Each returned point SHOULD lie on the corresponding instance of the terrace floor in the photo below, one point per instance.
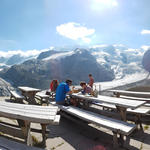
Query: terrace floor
(71, 136)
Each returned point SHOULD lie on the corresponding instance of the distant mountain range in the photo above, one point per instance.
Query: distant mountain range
(105, 62)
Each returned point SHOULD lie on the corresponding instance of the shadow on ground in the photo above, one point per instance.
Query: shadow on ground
(84, 137)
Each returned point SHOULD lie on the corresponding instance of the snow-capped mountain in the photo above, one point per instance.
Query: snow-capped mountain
(105, 62)
(9, 58)
(75, 65)
(122, 60)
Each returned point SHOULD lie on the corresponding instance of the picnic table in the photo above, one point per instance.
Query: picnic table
(29, 93)
(25, 115)
(130, 93)
(120, 103)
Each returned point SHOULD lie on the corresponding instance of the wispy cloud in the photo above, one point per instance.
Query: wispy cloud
(75, 31)
(28, 53)
(145, 47)
(145, 32)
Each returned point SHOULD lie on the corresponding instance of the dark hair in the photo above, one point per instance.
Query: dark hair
(90, 75)
(68, 81)
(82, 83)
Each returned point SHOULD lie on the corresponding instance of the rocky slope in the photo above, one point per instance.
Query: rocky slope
(75, 65)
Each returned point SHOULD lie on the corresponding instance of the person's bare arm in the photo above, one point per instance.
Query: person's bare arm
(70, 92)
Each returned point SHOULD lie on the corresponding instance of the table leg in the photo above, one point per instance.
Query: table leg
(122, 112)
(117, 94)
(31, 96)
(44, 134)
(28, 137)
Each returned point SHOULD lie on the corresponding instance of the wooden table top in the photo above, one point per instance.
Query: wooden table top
(28, 89)
(147, 94)
(111, 100)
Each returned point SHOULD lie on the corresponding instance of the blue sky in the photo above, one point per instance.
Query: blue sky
(39, 24)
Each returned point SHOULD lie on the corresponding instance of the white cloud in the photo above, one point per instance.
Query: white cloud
(145, 47)
(145, 32)
(28, 53)
(75, 31)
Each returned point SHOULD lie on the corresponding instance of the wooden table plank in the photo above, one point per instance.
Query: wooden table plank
(30, 114)
(28, 89)
(29, 93)
(121, 104)
(112, 100)
(132, 93)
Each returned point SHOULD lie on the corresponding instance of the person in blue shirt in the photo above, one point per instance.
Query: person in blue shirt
(61, 91)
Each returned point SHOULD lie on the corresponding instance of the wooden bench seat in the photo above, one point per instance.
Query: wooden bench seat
(137, 98)
(116, 126)
(131, 95)
(42, 97)
(138, 112)
(16, 96)
(27, 114)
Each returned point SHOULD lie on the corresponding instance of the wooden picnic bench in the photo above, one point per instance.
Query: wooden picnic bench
(130, 93)
(120, 103)
(29, 93)
(138, 112)
(16, 96)
(42, 97)
(118, 127)
(25, 115)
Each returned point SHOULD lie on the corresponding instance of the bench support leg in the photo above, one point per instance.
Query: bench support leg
(43, 133)
(138, 121)
(115, 140)
(28, 137)
(121, 140)
(122, 112)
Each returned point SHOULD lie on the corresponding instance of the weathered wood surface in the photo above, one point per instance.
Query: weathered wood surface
(43, 98)
(135, 98)
(28, 89)
(27, 114)
(112, 124)
(139, 110)
(116, 126)
(16, 96)
(111, 100)
(131, 93)
(32, 113)
(42, 95)
(29, 93)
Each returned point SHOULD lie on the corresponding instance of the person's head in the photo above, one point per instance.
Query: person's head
(83, 84)
(90, 75)
(69, 82)
(56, 81)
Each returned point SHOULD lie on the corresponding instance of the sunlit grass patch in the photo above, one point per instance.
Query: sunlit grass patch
(146, 127)
(141, 147)
(35, 140)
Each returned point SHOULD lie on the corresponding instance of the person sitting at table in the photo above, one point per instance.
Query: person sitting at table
(53, 85)
(85, 88)
(61, 91)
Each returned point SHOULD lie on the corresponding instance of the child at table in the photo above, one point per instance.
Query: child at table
(85, 88)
